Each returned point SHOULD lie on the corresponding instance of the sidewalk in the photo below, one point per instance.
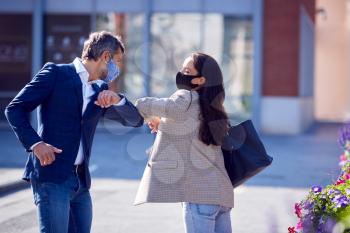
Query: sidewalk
(265, 204)
(11, 179)
(257, 210)
(12, 161)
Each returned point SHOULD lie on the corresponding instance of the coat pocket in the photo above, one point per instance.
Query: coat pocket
(163, 164)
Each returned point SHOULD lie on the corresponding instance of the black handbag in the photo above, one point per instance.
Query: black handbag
(244, 153)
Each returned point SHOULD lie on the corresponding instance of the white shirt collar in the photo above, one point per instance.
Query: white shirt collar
(83, 73)
(80, 68)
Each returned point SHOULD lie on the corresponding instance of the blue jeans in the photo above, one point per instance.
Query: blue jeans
(203, 218)
(63, 208)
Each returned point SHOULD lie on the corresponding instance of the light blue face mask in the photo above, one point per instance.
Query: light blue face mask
(113, 71)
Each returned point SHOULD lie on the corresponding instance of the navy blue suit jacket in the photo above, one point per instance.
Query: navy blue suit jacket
(57, 90)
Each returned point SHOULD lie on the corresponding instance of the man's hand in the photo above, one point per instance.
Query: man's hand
(107, 98)
(153, 124)
(46, 153)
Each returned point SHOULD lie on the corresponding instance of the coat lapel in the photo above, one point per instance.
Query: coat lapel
(92, 107)
(78, 87)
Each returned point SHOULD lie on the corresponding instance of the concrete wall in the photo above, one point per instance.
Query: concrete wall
(332, 62)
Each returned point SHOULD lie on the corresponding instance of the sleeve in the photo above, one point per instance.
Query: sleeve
(173, 107)
(121, 102)
(32, 147)
(31, 96)
(127, 114)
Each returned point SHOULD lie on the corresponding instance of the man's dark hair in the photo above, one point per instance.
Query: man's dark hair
(99, 42)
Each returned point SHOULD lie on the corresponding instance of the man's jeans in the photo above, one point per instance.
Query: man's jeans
(64, 207)
(203, 218)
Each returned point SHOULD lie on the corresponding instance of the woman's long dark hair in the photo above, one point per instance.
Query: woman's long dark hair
(214, 121)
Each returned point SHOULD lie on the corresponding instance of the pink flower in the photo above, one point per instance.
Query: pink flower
(299, 226)
(347, 176)
(291, 230)
(339, 182)
(297, 210)
(342, 157)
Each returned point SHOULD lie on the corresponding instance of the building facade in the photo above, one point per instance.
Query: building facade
(265, 49)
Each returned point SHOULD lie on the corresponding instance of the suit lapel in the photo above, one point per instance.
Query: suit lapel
(78, 87)
(92, 107)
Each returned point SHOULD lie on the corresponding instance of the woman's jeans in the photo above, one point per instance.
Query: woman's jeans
(203, 218)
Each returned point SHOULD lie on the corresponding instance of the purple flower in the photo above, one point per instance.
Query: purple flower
(308, 205)
(316, 189)
(347, 191)
(342, 204)
(337, 192)
(307, 224)
(331, 191)
(344, 136)
(327, 225)
(340, 201)
(342, 163)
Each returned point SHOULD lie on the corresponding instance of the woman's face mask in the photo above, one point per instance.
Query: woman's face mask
(112, 71)
(183, 81)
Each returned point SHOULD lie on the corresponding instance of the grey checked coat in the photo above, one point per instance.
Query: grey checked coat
(181, 168)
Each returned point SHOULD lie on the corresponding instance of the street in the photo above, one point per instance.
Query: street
(265, 204)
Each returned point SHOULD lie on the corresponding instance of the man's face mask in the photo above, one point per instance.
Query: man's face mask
(112, 71)
(183, 81)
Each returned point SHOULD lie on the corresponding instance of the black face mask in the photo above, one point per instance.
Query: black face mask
(183, 81)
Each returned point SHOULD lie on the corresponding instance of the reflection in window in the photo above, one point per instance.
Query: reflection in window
(228, 39)
(130, 28)
(237, 66)
(134, 76)
(174, 37)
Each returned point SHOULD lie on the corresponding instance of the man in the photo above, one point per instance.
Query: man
(71, 99)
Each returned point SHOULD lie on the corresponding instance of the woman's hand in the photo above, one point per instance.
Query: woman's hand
(153, 124)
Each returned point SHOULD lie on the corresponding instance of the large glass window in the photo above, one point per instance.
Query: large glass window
(228, 39)
(237, 66)
(173, 38)
(15, 56)
(130, 28)
(65, 36)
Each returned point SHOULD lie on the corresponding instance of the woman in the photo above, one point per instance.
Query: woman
(186, 163)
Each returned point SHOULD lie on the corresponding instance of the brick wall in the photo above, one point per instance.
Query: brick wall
(310, 6)
(281, 46)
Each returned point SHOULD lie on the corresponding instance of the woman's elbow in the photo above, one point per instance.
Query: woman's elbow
(141, 107)
(138, 104)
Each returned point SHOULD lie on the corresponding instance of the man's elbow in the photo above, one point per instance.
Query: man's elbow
(8, 112)
(13, 114)
(138, 118)
(141, 122)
